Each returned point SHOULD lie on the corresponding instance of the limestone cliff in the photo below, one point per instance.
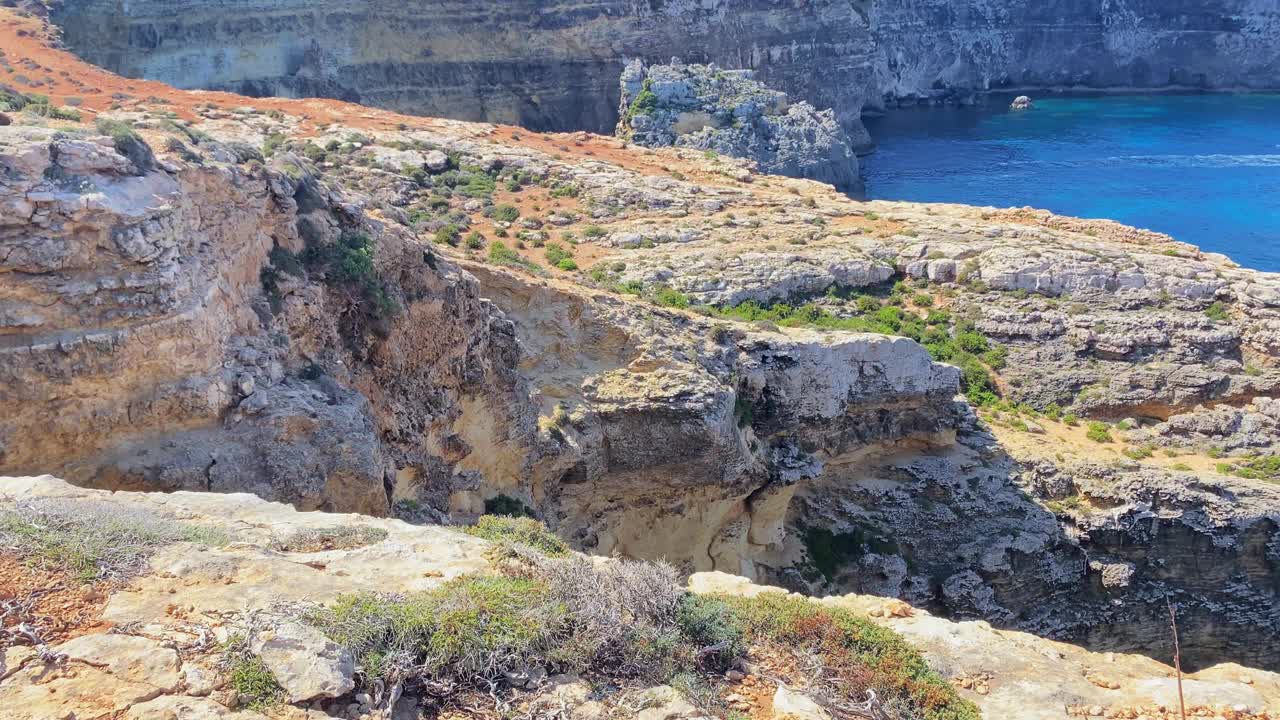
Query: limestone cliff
(555, 65)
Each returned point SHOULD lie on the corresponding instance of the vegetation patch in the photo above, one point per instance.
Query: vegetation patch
(955, 342)
(249, 676)
(507, 506)
(1266, 467)
(856, 655)
(346, 537)
(1098, 432)
(829, 551)
(90, 540)
(519, 531)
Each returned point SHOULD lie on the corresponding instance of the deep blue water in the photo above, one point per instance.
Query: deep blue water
(1202, 168)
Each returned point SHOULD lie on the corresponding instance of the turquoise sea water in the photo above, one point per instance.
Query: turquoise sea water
(1202, 168)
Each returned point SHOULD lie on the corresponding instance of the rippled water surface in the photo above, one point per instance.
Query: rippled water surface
(1203, 168)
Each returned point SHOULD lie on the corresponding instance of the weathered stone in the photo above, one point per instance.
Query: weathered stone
(791, 705)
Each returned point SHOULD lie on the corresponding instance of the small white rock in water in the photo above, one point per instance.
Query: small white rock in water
(1022, 102)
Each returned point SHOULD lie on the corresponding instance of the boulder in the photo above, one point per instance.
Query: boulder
(791, 705)
(305, 662)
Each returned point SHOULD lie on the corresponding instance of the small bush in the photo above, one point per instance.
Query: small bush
(1070, 419)
(645, 102)
(567, 264)
(709, 623)
(1258, 468)
(856, 654)
(506, 213)
(249, 676)
(520, 531)
(500, 254)
(594, 231)
(1217, 312)
(448, 235)
(556, 253)
(1098, 432)
(507, 506)
(670, 297)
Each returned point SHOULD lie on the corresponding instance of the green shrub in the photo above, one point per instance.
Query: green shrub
(500, 254)
(448, 235)
(249, 676)
(1098, 432)
(506, 213)
(670, 297)
(349, 262)
(1258, 468)
(567, 264)
(555, 253)
(708, 622)
(1217, 312)
(1070, 419)
(645, 102)
(507, 506)
(475, 241)
(518, 530)
(594, 231)
(1141, 452)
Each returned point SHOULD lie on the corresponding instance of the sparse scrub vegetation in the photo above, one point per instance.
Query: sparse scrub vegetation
(248, 675)
(616, 621)
(346, 537)
(92, 541)
(1099, 432)
(519, 531)
(1266, 467)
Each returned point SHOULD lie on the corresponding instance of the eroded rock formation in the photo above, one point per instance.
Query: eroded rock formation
(727, 112)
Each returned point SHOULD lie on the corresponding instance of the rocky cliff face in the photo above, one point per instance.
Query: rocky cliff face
(555, 66)
(727, 112)
(933, 49)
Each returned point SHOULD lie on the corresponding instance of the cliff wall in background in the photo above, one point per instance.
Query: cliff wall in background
(555, 65)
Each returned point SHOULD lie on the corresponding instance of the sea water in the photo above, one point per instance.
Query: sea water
(1202, 168)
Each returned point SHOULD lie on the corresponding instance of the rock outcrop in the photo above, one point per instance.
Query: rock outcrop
(727, 112)
(156, 646)
(554, 65)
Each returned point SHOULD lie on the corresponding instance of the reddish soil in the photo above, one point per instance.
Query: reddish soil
(57, 607)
